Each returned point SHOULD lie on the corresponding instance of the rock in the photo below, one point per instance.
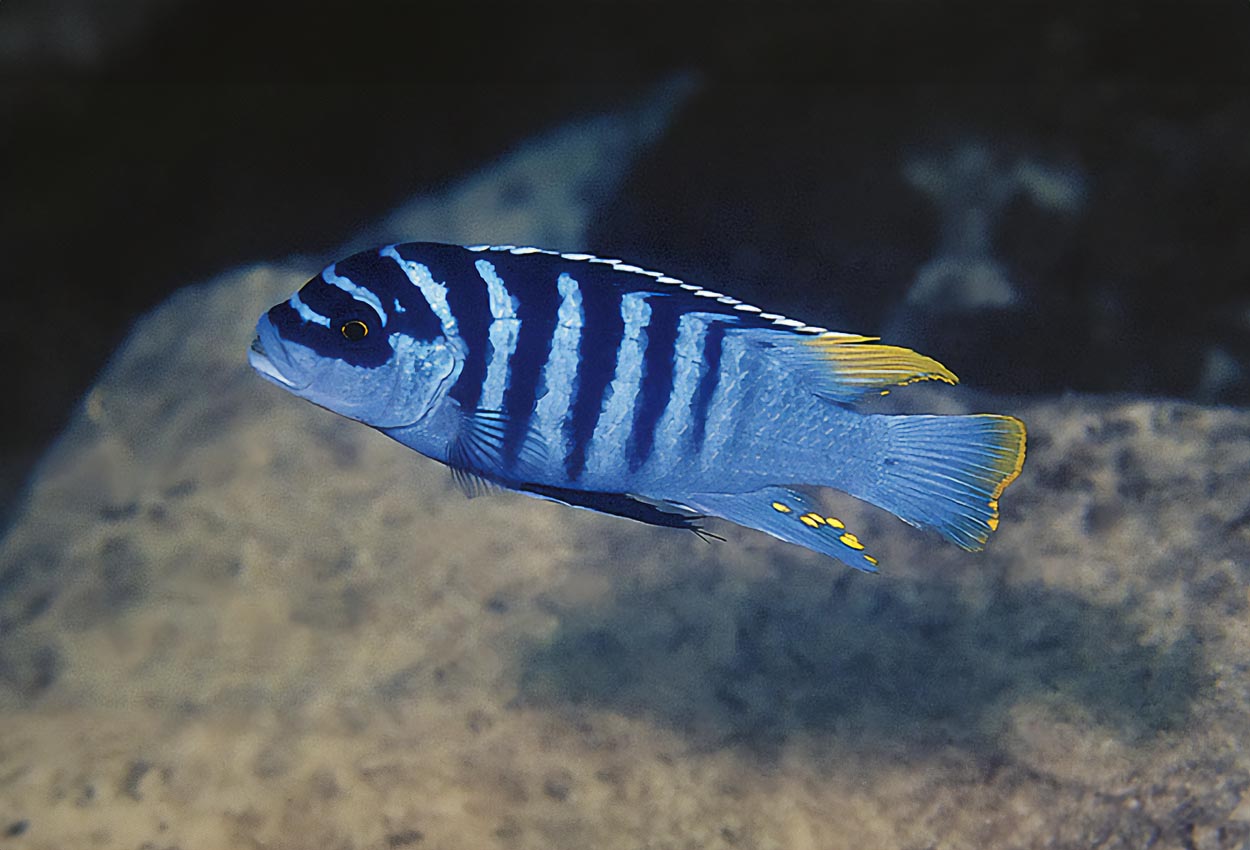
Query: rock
(273, 626)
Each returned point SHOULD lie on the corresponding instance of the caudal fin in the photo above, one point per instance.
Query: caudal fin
(948, 472)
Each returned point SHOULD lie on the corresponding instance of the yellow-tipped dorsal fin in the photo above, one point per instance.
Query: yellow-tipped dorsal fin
(863, 361)
(846, 367)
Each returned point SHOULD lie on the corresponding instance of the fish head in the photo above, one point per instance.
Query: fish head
(335, 343)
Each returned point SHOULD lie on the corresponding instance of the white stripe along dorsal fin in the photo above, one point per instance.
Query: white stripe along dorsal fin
(659, 277)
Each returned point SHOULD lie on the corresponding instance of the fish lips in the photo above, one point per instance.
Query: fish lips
(259, 358)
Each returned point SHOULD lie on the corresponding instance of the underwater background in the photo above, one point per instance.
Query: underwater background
(229, 619)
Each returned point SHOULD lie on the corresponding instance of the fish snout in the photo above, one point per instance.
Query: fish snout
(260, 359)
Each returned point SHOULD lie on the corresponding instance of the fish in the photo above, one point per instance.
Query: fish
(605, 386)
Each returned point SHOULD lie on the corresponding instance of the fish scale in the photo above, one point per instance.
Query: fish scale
(602, 385)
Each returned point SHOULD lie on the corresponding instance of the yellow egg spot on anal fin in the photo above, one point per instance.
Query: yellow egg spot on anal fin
(851, 540)
(816, 518)
(870, 559)
(807, 520)
(781, 508)
(835, 522)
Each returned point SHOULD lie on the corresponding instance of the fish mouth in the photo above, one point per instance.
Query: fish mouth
(259, 360)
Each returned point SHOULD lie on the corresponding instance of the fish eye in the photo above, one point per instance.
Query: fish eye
(354, 330)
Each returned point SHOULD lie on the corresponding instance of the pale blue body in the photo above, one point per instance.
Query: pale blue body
(755, 433)
(605, 386)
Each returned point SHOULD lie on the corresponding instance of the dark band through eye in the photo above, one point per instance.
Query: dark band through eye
(355, 329)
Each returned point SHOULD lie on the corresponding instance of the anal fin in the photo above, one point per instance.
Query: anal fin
(789, 516)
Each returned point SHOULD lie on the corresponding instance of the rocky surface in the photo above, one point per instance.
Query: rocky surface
(231, 619)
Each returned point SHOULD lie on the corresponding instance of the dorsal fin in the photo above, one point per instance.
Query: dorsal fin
(846, 367)
(694, 298)
(842, 367)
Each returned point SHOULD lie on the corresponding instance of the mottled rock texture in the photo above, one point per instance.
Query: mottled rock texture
(231, 619)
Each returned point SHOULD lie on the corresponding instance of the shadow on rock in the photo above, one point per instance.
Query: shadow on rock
(872, 664)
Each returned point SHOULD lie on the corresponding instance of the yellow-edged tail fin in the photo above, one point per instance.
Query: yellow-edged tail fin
(948, 472)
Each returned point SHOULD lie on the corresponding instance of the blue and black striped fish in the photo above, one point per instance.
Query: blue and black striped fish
(604, 386)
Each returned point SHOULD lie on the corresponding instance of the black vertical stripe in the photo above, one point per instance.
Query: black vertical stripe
(659, 362)
(469, 303)
(713, 348)
(602, 331)
(538, 305)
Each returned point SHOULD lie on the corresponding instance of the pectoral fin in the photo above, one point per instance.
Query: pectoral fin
(478, 456)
